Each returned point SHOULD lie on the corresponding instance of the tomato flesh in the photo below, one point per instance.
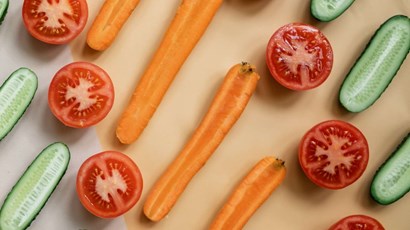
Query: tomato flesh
(81, 94)
(55, 21)
(333, 154)
(299, 56)
(357, 222)
(109, 184)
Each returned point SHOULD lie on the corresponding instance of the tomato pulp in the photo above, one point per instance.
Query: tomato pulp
(299, 56)
(81, 94)
(333, 154)
(109, 184)
(55, 21)
(357, 222)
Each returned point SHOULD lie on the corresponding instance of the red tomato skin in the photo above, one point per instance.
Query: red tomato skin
(364, 222)
(326, 65)
(30, 22)
(86, 199)
(94, 119)
(361, 143)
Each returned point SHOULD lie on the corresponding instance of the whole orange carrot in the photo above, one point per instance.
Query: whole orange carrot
(227, 106)
(250, 194)
(190, 22)
(109, 21)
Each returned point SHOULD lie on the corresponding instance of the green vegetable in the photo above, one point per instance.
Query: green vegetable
(377, 65)
(34, 187)
(328, 10)
(4, 5)
(392, 179)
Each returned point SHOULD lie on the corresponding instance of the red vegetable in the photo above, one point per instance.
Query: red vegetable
(299, 56)
(333, 154)
(357, 222)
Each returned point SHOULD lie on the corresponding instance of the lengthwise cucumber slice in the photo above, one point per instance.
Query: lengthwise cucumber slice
(4, 5)
(328, 10)
(16, 94)
(34, 187)
(392, 179)
(377, 65)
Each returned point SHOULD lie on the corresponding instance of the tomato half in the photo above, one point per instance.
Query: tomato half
(81, 94)
(55, 21)
(333, 154)
(357, 222)
(109, 184)
(299, 56)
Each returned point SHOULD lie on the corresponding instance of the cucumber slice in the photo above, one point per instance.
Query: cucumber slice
(328, 10)
(4, 5)
(392, 179)
(16, 94)
(34, 187)
(377, 65)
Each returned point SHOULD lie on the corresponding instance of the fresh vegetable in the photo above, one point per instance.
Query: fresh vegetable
(357, 222)
(328, 10)
(333, 154)
(377, 65)
(190, 22)
(109, 184)
(392, 179)
(55, 22)
(16, 94)
(81, 94)
(4, 5)
(227, 106)
(250, 194)
(299, 56)
(34, 187)
(108, 23)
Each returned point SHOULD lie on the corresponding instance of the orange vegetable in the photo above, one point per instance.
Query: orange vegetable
(228, 104)
(190, 22)
(109, 21)
(250, 194)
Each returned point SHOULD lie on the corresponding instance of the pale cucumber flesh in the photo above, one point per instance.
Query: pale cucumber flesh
(327, 10)
(4, 4)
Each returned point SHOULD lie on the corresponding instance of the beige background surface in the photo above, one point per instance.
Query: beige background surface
(273, 122)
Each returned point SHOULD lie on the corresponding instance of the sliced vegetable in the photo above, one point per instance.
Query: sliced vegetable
(34, 187)
(357, 222)
(108, 23)
(333, 154)
(109, 184)
(377, 65)
(392, 179)
(250, 194)
(81, 94)
(299, 56)
(190, 22)
(4, 5)
(55, 22)
(16, 94)
(227, 106)
(328, 10)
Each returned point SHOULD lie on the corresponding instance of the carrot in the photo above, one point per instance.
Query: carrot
(109, 21)
(250, 194)
(227, 106)
(191, 20)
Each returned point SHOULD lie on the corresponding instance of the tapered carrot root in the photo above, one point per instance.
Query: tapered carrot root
(250, 194)
(109, 21)
(188, 26)
(227, 106)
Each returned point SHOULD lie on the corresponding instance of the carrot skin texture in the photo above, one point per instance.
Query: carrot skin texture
(226, 107)
(250, 194)
(109, 21)
(186, 29)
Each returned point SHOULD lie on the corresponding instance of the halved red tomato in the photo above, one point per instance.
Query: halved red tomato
(299, 56)
(357, 222)
(333, 154)
(55, 21)
(81, 94)
(109, 184)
